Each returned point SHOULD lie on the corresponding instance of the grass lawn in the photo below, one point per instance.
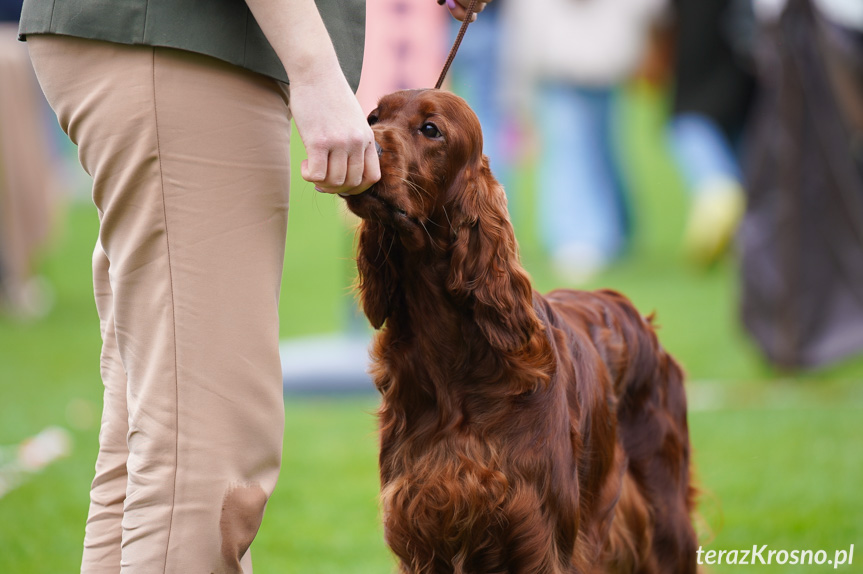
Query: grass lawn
(779, 456)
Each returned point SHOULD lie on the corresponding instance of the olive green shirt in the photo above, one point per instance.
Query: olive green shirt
(224, 29)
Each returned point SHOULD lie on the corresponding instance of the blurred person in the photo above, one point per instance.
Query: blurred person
(566, 61)
(28, 183)
(181, 112)
(801, 238)
(713, 89)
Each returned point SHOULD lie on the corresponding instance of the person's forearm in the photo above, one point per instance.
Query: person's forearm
(296, 32)
(339, 141)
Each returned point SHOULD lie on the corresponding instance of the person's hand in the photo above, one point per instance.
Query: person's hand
(339, 141)
(342, 157)
(458, 8)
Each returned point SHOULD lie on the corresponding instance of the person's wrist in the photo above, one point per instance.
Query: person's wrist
(316, 71)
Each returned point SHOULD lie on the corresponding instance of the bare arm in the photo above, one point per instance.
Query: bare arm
(338, 139)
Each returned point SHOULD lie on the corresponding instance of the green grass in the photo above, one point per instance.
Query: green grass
(778, 455)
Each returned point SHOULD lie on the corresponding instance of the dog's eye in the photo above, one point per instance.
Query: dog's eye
(430, 131)
(373, 119)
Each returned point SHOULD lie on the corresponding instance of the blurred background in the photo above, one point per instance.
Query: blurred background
(705, 157)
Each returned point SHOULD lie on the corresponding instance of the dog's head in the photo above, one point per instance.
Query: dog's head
(437, 202)
(430, 146)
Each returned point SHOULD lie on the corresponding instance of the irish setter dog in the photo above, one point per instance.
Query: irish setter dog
(520, 433)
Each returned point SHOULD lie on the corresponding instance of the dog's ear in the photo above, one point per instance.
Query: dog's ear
(485, 270)
(377, 279)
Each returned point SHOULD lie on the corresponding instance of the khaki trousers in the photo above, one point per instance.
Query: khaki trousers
(190, 162)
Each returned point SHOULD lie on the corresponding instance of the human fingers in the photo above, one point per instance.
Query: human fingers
(314, 169)
(371, 172)
(458, 8)
(335, 164)
(337, 169)
(351, 166)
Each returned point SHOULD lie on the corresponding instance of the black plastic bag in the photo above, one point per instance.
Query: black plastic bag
(801, 239)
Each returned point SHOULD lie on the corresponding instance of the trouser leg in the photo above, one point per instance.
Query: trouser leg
(108, 491)
(190, 164)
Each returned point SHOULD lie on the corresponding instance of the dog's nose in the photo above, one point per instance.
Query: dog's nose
(378, 147)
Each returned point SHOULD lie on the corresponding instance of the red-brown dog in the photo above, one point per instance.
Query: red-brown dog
(520, 433)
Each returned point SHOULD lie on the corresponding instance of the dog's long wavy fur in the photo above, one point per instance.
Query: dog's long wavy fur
(519, 433)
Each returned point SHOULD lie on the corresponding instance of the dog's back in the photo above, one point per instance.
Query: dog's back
(652, 519)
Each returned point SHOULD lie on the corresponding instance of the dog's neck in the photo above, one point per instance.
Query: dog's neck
(434, 345)
(427, 317)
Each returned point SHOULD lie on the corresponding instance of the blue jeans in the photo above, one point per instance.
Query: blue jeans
(582, 194)
(702, 151)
